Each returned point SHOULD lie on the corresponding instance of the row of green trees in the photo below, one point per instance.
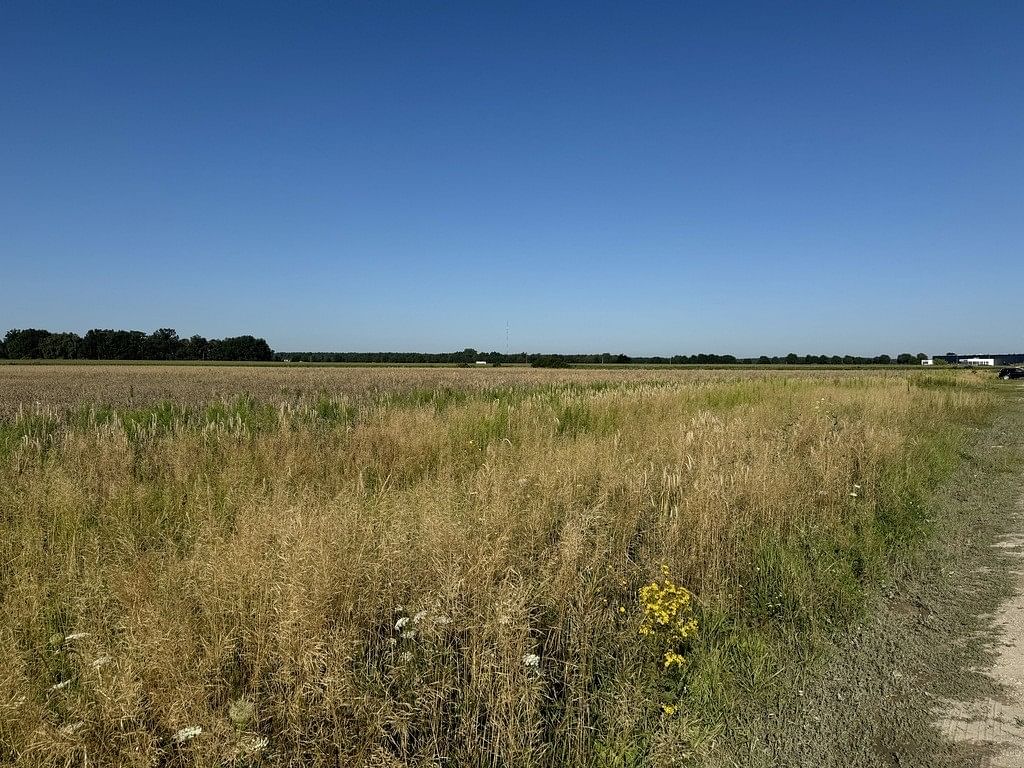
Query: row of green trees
(106, 344)
(470, 356)
(164, 344)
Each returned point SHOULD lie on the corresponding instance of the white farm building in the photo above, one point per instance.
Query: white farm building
(977, 360)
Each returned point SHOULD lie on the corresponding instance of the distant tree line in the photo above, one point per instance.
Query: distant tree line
(105, 344)
(164, 344)
(550, 361)
(469, 356)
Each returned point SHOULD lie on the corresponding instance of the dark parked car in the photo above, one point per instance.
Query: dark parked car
(1011, 373)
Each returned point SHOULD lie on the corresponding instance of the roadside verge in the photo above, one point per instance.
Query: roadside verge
(882, 694)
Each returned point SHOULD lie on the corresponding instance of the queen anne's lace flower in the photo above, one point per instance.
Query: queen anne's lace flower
(252, 744)
(187, 734)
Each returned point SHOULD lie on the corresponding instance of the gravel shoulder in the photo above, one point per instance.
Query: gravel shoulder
(934, 677)
(992, 726)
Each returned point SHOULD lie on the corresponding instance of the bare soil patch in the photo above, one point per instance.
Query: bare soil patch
(992, 726)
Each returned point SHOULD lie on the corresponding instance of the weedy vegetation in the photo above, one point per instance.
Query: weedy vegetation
(318, 567)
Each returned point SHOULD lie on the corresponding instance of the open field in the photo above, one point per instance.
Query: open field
(73, 384)
(340, 566)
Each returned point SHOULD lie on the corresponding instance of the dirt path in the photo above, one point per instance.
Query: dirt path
(934, 678)
(992, 727)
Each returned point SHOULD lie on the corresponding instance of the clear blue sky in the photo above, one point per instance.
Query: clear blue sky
(651, 178)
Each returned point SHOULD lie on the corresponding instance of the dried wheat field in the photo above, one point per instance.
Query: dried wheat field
(213, 566)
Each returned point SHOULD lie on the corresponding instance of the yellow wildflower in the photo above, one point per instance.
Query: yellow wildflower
(671, 657)
(668, 617)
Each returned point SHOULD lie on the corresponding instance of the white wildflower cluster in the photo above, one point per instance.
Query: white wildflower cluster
(405, 626)
(402, 625)
(251, 744)
(187, 734)
(531, 661)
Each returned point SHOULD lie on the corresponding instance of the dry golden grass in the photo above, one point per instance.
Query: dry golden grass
(400, 567)
(130, 386)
